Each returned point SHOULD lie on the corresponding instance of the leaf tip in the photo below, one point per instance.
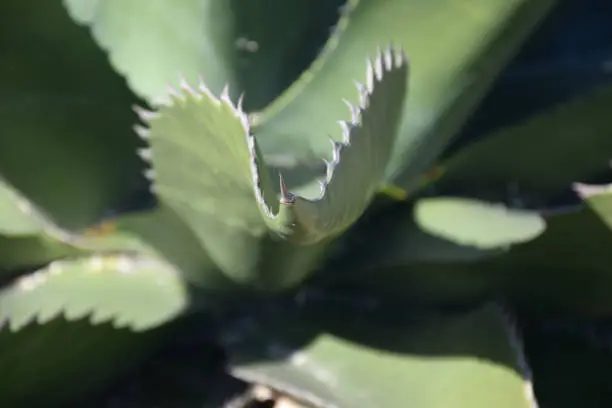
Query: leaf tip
(287, 198)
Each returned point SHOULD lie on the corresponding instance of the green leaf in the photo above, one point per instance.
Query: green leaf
(60, 362)
(599, 198)
(477, 223)
(27, 236)
(159, 233)
(546, 153)
(17, 216)
(330, 359)
(456, 48)
(225, 42)
(106, 287)
(207, 166)
(65, 138)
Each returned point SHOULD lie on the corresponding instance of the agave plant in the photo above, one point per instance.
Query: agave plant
(361, 264)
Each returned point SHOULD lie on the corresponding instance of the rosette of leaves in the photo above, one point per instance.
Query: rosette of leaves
(238, 220)
(282, 235)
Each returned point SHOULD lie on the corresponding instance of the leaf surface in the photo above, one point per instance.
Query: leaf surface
(456, 49)
(545, 153)
(159, 233)
(150, 42)
(133, 292)
(207, 166)
(477, 223)
(460, 361)
(27, 236)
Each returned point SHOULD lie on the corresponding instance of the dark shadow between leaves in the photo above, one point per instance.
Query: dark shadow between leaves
(387, 255)
(55, 363)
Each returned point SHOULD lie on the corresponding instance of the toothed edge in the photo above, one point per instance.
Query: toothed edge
(149, 174)
(384, 62)
(119, 263)
(145, 153)
(375, 70)
(142, 132)
(146, 116)
(514, 337)
(363, 92)
(184, 85)
(186, 90)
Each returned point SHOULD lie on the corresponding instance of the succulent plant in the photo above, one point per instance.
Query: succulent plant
(321, 228)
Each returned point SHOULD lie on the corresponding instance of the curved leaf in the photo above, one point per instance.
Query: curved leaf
(225, 42)
(65, 116)
(469, 360)
(456, 48)
(159, 233)
(17, 215)
(477, 223)
(207, 167)
(132, 292)
(546, 153)
(27, 236)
